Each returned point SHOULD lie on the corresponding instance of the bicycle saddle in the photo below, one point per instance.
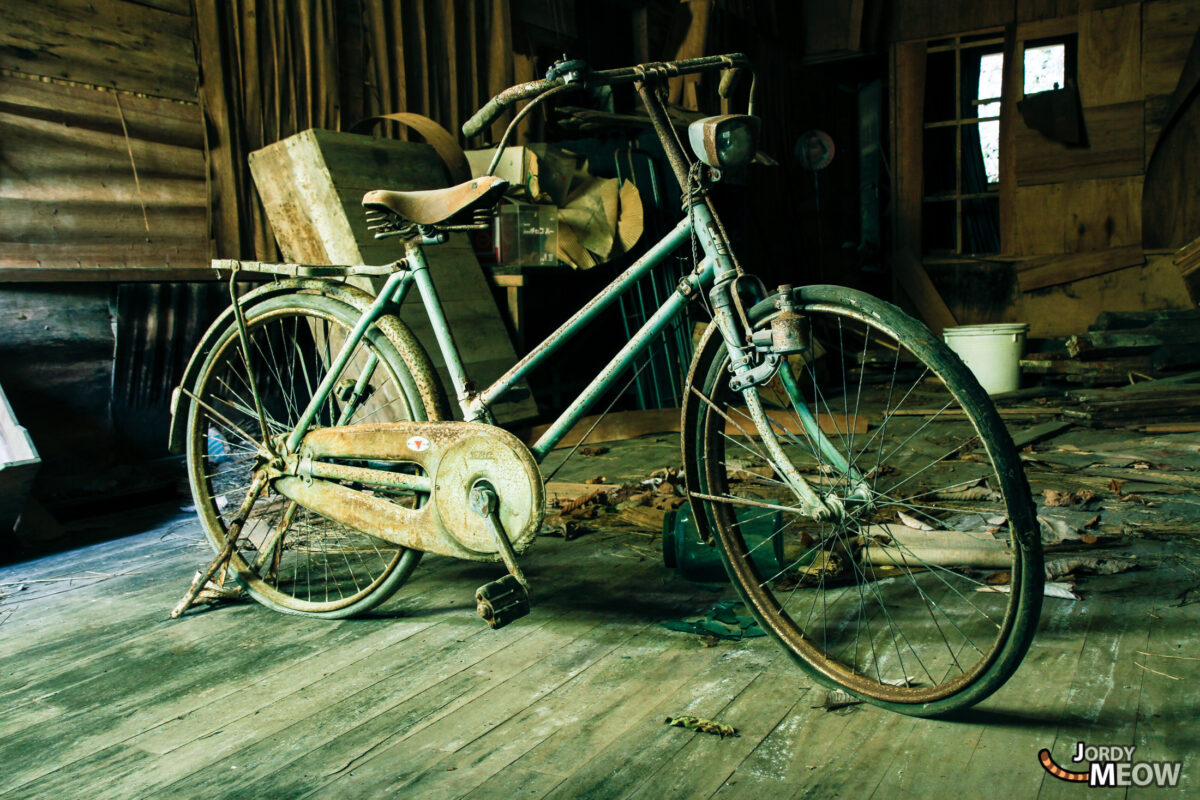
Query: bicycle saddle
(437, 205)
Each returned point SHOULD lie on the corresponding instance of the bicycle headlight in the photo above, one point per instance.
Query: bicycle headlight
(725, 142)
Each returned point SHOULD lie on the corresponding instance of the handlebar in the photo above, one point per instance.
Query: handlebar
(609, 77)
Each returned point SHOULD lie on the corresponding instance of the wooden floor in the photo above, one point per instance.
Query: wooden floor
(103, 696)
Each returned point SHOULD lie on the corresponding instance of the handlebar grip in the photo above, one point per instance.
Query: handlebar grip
(483, 117)
(494, 107)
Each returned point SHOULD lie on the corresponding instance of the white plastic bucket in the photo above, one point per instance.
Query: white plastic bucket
(991, 352)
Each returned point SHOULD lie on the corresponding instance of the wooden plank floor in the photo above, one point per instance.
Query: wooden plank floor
(104, 697)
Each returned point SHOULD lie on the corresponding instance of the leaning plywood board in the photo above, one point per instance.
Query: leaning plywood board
(18, 464)
(312, 186)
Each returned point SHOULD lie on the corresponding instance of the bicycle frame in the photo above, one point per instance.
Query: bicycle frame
(475, 406)
(714, 275)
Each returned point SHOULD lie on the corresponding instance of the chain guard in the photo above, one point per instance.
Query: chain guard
(455, 455)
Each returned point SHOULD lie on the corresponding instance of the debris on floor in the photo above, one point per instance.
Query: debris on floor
(1120, 345)
(1059, 589)
(640, 504)
(702, 725)
(721, 621)
(838, 698)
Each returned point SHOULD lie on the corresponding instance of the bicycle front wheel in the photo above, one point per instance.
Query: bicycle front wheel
(921, 592)
(288, 557)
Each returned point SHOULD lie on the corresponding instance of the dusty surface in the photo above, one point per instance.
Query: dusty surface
(104, 697)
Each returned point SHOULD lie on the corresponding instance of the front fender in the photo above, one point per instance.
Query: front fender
(180, 403)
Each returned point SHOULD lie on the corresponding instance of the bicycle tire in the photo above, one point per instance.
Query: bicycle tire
(317, 567)
(984, 632)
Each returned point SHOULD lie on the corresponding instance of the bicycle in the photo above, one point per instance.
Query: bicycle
(323, 461)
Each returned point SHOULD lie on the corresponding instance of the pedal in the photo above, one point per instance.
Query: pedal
(502, 601)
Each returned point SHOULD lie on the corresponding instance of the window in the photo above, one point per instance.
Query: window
(1049, 64)
(987, 96)
(961, 208)
(1045, 68)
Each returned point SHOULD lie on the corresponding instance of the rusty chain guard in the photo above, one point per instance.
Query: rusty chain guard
(455, 455)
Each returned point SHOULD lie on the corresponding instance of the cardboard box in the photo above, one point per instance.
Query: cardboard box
(543, 170)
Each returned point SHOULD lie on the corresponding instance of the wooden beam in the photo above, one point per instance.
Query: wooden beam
(1038, 273)
(908, 80)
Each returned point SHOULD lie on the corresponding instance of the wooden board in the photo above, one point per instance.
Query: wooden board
(68, 196)
(419, 699)
(1064, 310)
(1103, 214)
(312, 186)
(908, 77)
(1039, 273)
(1168, 28)
(621, 425)
(134, 46)
(1041, 218)
(1116, 148)
(918, 19)
(1110, 55)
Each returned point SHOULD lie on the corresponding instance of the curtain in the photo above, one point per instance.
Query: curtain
(273, 68)
(980, 218)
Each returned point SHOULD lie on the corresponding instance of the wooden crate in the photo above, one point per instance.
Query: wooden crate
(19, 462)
(312, 186)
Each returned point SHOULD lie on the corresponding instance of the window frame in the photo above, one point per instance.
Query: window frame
(991, 41)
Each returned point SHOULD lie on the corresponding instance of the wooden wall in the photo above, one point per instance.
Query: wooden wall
(102, 170)
(1071, 224)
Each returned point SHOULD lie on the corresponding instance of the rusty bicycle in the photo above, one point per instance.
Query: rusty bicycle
(324, 461)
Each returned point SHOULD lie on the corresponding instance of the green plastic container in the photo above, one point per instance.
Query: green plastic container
(700, 562)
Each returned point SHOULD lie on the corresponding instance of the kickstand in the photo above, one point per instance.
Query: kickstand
(200, 581)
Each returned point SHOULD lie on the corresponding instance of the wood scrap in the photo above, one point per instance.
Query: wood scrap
(1169, 401)
(622, 425)
(1121, 344)
(1190, 479)
(1173, 427)
(1039, 432)
(1089, 372)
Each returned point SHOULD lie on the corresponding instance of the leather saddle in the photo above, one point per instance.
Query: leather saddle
(434, 206)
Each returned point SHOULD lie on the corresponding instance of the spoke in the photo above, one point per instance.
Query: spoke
(738, 501)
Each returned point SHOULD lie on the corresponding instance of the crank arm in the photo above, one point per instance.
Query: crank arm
(502, 601)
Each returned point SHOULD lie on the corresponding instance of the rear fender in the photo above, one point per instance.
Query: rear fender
(350, 295)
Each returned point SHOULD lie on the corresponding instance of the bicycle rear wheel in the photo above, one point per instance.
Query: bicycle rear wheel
(917, 621)
(288, 557)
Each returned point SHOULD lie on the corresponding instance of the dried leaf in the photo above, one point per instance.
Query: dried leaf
(1089, 538)
(1056, 498)
(596, 479)
(591, 452)
(913, 522)
(838, 699)
(1115, 485)
(702, 725)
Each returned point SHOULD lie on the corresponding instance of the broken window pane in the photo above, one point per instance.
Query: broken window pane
(1045, 67)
